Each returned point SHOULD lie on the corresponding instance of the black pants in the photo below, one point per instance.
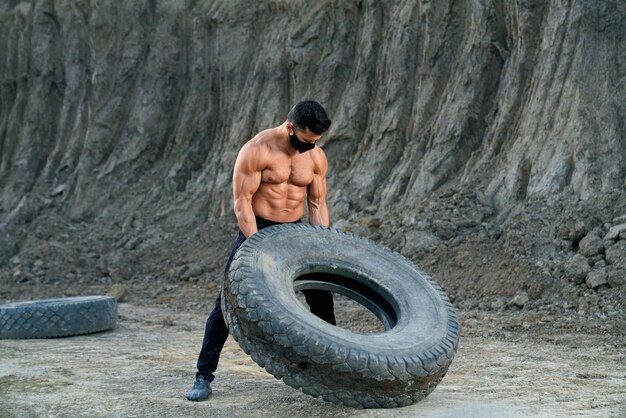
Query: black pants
(216, 332)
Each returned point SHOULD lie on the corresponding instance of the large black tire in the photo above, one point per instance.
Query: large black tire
(393, 368)
(61, 317)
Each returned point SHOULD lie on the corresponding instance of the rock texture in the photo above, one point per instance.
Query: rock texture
(488, 136)
(577, 269)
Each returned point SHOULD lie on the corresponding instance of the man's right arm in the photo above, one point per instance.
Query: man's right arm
(246, 181)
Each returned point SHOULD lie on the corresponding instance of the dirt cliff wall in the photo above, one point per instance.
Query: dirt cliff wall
(127, 114)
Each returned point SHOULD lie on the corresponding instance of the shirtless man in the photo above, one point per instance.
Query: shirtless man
(274, 174)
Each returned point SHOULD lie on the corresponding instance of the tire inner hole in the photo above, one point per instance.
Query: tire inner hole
(358, 307)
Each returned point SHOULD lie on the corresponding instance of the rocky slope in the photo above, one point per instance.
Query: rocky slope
(483, 139)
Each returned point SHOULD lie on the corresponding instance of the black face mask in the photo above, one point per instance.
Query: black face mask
(299, 145)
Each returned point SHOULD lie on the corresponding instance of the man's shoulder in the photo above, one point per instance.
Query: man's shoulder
(259, 150)
(263, 140)
(319, 158)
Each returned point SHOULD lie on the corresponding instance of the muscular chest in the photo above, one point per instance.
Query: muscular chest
(296, 171)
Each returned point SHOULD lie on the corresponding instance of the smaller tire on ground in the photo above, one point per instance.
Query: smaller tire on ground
(60, 317)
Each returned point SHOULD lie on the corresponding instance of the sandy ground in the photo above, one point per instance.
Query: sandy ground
(144, 366)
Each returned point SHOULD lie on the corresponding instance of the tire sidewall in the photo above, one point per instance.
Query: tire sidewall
(270, 260)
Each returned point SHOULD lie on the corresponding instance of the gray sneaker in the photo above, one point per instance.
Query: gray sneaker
(200, 391)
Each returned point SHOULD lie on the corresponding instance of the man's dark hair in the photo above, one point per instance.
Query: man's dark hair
(309, 114)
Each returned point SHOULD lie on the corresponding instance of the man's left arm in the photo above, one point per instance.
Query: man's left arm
(318, 209)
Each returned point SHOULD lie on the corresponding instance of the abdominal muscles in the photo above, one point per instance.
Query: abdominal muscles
(282, 202)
